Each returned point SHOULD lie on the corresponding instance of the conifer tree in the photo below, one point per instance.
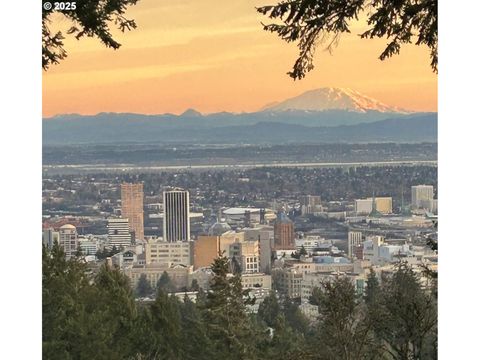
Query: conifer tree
(342, 331)
(410, 316)
(64, 282)
(165, 283)
(269, 310)
(196, 344)
(294, 317)
(143, 286)
(286, 343)
(164, 316)
(228, 325)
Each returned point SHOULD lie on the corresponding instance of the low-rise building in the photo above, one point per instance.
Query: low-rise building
(169, 253)
(247, 254)
(88, 246)
(257, 281)
(383, 205)
(179, 274)
(288, 282)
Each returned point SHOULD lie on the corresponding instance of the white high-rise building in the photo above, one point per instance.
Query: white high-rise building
(68, 240)
(422, 197)
(118, 232)
(354, 239)
(176, 216)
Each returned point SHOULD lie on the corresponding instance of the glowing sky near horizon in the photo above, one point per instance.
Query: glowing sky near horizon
(214, 56)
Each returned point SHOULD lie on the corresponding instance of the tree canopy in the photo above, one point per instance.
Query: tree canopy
(312, 22)
(95, 316)
(91, 18)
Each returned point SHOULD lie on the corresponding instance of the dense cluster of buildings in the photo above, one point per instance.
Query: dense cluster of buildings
(262, 244)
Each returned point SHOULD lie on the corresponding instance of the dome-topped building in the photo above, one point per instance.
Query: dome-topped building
(219, 228)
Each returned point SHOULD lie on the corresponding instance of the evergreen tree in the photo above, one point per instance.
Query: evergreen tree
(143, 286)
(228, 325)
(165, 339)
(410, 316)
(195, 341)
(85, 318)
(372, 291)
(310, 22)
(87, 18)
(342, 331)
(294, 317)
(269, 310)
(194, 285)
(286, 343)
(166, 284)
(64, 283)
(303, 251)
(114, 302)
(235, 266)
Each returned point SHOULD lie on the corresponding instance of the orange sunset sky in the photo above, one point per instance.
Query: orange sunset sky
(214, 56)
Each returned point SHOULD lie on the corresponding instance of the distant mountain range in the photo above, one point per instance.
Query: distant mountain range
(321, 115)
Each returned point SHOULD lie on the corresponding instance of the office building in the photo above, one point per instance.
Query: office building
(68, 240)
(422, 197)
(169, 253)
(383, 205)
(132, 207)
(88, 246)
(283, 233)
(176, 217)
(118, 232)
(354, 239)
(208, 247)
(264, 236)
(256, 281)
(247, 254)
(288, 282)
(310, 204)
(49, 237)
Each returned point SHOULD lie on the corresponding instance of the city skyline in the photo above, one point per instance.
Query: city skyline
(213, 58)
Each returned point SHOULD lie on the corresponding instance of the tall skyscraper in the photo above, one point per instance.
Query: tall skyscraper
(68, 240)
(176, 215)
(422, 197)
(119, 232)
(283, 233)
(354, 239)
(132, 207)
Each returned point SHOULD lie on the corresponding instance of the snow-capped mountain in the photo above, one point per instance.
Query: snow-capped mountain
(329, 98)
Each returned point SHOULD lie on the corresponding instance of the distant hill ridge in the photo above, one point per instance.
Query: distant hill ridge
(325, 114)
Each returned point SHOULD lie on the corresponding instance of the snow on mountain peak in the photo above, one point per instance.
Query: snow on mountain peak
(329, 98)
